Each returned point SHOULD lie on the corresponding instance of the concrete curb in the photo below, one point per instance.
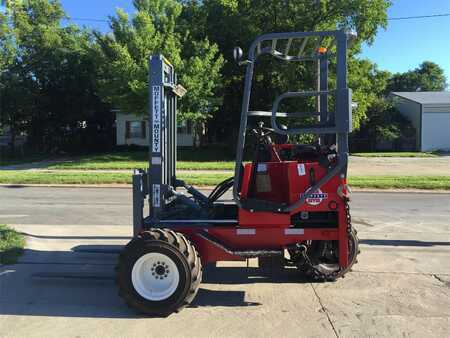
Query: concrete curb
(128, 186)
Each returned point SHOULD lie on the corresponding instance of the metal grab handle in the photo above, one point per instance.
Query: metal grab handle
(311, 130)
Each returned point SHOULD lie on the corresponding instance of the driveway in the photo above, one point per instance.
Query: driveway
(63, 286)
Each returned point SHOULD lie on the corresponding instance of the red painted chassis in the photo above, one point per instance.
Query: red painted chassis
(274, 231)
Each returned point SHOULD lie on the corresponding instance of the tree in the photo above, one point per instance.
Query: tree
(427, 77)
(55, 64)
(14, 83)
(125, 52)
(384, 123)
(232, 23)
(368, 84)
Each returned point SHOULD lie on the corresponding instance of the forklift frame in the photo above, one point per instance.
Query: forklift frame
(280, 215)
(159, 183)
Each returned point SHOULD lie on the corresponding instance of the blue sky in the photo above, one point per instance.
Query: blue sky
(407, 43)
(402, 46)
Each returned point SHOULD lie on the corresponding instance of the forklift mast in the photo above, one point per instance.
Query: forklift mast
(163, 134)
(162, 121)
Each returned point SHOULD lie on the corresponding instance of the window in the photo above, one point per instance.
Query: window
(135, 129)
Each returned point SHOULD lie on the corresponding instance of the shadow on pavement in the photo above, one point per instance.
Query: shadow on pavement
(81, 284)
(77, 237)
(402, 242)
(206, 297)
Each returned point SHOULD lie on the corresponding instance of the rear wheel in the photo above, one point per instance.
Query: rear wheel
(325, 258)
(320, 260)
(159, 272)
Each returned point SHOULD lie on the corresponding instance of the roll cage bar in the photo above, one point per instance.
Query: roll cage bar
(338, 122)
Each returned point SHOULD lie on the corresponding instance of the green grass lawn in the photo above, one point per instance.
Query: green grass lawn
(397, 154)
(11, 245)
(48, 177)
(133, 160)
(401, 182)
(201, 179)
(129, 165)
(214, 158)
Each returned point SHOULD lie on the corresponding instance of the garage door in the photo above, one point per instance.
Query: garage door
(435, 131)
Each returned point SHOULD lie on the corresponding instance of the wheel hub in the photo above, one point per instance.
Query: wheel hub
(160, 270)
(155, 276)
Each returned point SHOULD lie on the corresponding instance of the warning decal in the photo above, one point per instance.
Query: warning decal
(301, 169)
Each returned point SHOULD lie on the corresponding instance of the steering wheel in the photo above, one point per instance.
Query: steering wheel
(263, 134)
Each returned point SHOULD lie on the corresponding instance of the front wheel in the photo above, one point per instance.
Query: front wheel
(159, 272)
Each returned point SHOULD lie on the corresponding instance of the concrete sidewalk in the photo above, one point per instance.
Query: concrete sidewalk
(62, 287)
(358, 166)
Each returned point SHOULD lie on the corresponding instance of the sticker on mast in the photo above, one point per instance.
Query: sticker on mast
(156, 195)
(156, 119)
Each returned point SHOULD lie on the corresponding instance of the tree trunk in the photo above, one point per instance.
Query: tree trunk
(12, 142)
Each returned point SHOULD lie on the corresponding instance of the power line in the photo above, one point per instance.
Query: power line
(87, 19)
(391, 19)
(419, 16)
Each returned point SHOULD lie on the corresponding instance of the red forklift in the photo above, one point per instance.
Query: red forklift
(290, 204)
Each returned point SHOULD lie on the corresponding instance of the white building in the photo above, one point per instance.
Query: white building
(429, 113)
(133, 130)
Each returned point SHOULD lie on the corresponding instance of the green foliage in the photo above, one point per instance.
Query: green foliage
(201, 76)
(232, 23)
(427, 77)
(384, 122)
(368, 83)
(11, 245)
(202, 179)
(66, 76)
(153, 29)
(53, 71)
(401, 182)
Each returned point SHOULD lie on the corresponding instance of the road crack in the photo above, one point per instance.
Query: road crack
(447, 284)
(324, 309)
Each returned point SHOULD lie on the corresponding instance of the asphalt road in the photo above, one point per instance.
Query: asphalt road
(112, 206)
(400, 287)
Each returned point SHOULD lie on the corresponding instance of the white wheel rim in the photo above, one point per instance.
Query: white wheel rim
(155, 276)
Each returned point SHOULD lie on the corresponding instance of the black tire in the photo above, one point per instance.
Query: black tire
(176, 247)
(353, 251)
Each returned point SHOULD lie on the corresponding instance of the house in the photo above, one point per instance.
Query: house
(133, 130)
(429, 113)
(6, 139)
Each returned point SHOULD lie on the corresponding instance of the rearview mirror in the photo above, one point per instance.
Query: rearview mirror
(237, 54)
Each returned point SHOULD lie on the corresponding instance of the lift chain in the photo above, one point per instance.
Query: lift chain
(349, 217)
(312, 269)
